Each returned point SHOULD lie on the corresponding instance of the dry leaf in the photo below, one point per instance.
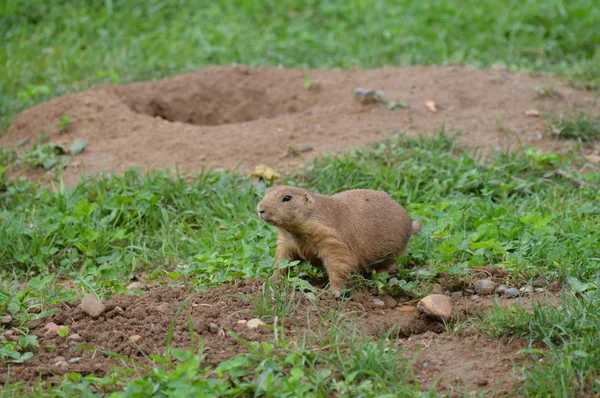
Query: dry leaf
(431, 106)
(532, 112)
(262, 171)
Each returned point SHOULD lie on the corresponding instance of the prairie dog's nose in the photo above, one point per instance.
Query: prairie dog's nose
(260, 208)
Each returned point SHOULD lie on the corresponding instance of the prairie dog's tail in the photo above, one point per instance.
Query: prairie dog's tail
(417, 228)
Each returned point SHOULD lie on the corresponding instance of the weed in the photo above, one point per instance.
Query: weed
(274, 301)
(546, 91)
(566, 363)
(65, 121)
(48, 156)
(579, 126)
(18, 351)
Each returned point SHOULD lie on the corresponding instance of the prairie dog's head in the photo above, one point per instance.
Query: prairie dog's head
(284, 206)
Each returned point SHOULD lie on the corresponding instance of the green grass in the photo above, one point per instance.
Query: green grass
(513, 211)
(568, 361)
(49, 49)
(580, 127)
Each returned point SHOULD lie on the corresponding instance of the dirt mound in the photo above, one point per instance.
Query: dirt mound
(222, 116)
(136, 326)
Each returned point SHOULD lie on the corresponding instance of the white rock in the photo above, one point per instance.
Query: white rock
(254, 323)
(136, 286)
(378, 303)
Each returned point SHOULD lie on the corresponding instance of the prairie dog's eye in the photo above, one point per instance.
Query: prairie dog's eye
(286, 198)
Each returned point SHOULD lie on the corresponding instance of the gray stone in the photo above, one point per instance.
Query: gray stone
(92, 306)
(5, 319)
(512, 292)
(456, 294)
(436, 306)
(484, 287)
(213, 328)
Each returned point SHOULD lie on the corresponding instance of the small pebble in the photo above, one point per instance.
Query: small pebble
(5, 319)
(501, 289)
(213, 328)
(540, 290)
(75, 359)
(118, 310)
(242, 322)
(58, 359)
(63, 365)
(512, 292)
(92, 306)
(51, 328)
(378, 303)
(254, 323)
(456, 294)
(74, 337)
(136, 286)
(135, 338)
(484, 287)
(306, 148)
(526, 289)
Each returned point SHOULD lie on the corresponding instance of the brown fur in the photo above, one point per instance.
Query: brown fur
(346, 232)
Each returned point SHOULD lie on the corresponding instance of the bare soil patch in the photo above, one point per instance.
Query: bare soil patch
(241, 116)
(136, 326)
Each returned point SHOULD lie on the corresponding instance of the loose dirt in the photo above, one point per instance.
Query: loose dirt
(223, 117)
(136, 326)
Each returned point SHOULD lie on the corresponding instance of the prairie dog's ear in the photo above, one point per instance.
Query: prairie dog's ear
(308, 198)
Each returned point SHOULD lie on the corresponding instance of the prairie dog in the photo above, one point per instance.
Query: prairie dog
(346, 232)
